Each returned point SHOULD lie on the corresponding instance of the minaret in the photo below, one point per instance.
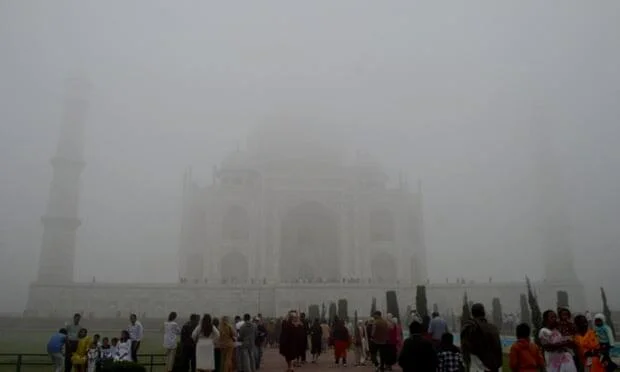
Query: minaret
(60, 220)
(552, 217)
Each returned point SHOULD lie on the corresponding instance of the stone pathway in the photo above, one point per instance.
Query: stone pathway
(273, 362)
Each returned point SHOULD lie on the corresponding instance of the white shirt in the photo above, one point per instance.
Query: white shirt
(135, 331)
(171, 331)
(123, 351)
(239, 325)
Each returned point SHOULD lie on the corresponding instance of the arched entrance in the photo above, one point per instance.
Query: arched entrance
(234, 268)
(383, 267)
(309, 244)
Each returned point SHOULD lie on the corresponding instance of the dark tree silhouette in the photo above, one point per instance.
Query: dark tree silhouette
(373, 306)
(313, 312)
(525, 309)
(534, 310)
(465, 313)
(607, 312)
(496, 308)
(421, 305)
(343, 309)
(323, 313)
(333, 312)
(391, 301)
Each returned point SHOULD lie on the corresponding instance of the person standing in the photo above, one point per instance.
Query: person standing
(436, 328)
(247, 338)
(557, 348)
(136, 331)
(289, 342)
(73, 331)
(418, 353)
(480, 343)
(205, 336)
(325, 332)
(188, 344)
(304, 349)
(360, 343)
(227, 345)
(171, 331)
(316, 337)
(341, 338)
(380, 334)
(261, 337)
(55, 347)
(587, 346)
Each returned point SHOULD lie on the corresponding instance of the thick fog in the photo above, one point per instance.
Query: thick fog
(453, 94)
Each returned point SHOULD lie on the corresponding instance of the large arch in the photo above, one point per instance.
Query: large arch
(236, 223)
(309, 245)
(381, 225)
(234, 268)
(383, 268)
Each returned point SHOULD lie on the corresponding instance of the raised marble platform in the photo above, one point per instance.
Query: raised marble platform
(157, 300)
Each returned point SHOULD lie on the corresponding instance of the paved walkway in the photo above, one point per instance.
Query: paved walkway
(273, 362)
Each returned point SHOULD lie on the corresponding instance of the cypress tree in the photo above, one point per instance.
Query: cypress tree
(333, 312)
(343, 309)
(525, 310)
(313, 312)
(391, 301)
(607, 312)
(497, 313)
(466, 312)
(323, 313)
(373, 306)
(534, 310)
(421, 304)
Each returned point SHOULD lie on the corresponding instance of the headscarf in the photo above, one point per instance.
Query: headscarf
(603, 332)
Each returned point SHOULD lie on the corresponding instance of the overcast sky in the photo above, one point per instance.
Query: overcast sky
(445, 91)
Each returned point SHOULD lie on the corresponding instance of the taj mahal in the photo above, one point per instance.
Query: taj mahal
(287, 222)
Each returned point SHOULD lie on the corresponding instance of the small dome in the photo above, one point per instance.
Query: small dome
(238, 160)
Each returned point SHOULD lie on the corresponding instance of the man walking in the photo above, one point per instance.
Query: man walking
(54, 348)
(73, 330)
(136, 331)
(379, 338)
(436, 328)
(247, 338)
(188, 345)
(480, 343)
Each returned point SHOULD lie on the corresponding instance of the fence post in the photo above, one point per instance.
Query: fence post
(151, 362)
(18, 367)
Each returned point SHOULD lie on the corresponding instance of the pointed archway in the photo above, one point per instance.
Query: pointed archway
(309, 244)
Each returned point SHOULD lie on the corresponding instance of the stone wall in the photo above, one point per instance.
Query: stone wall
(100, 300)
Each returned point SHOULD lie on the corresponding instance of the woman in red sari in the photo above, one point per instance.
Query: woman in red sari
(587, 346)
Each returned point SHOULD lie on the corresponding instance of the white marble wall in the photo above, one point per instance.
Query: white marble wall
(105, 300)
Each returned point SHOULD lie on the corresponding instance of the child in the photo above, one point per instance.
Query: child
(448, 355)
(93, 357)
(97, 340)
(605, 339)
(525, 356)
(107, 352)
(123, 348)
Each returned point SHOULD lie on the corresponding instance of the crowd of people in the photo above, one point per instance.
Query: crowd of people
(73, 348)
(205, 344)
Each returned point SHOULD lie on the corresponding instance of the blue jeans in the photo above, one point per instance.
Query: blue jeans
(258, 354)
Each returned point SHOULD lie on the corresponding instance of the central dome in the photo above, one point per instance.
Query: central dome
(292, 139)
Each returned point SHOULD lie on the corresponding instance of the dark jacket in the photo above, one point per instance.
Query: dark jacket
(481, 338)
(417, 354)
(247, 335)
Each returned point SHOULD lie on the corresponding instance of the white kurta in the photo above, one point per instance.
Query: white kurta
(205, 349)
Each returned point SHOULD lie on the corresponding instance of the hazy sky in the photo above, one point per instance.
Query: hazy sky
(443, 90)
